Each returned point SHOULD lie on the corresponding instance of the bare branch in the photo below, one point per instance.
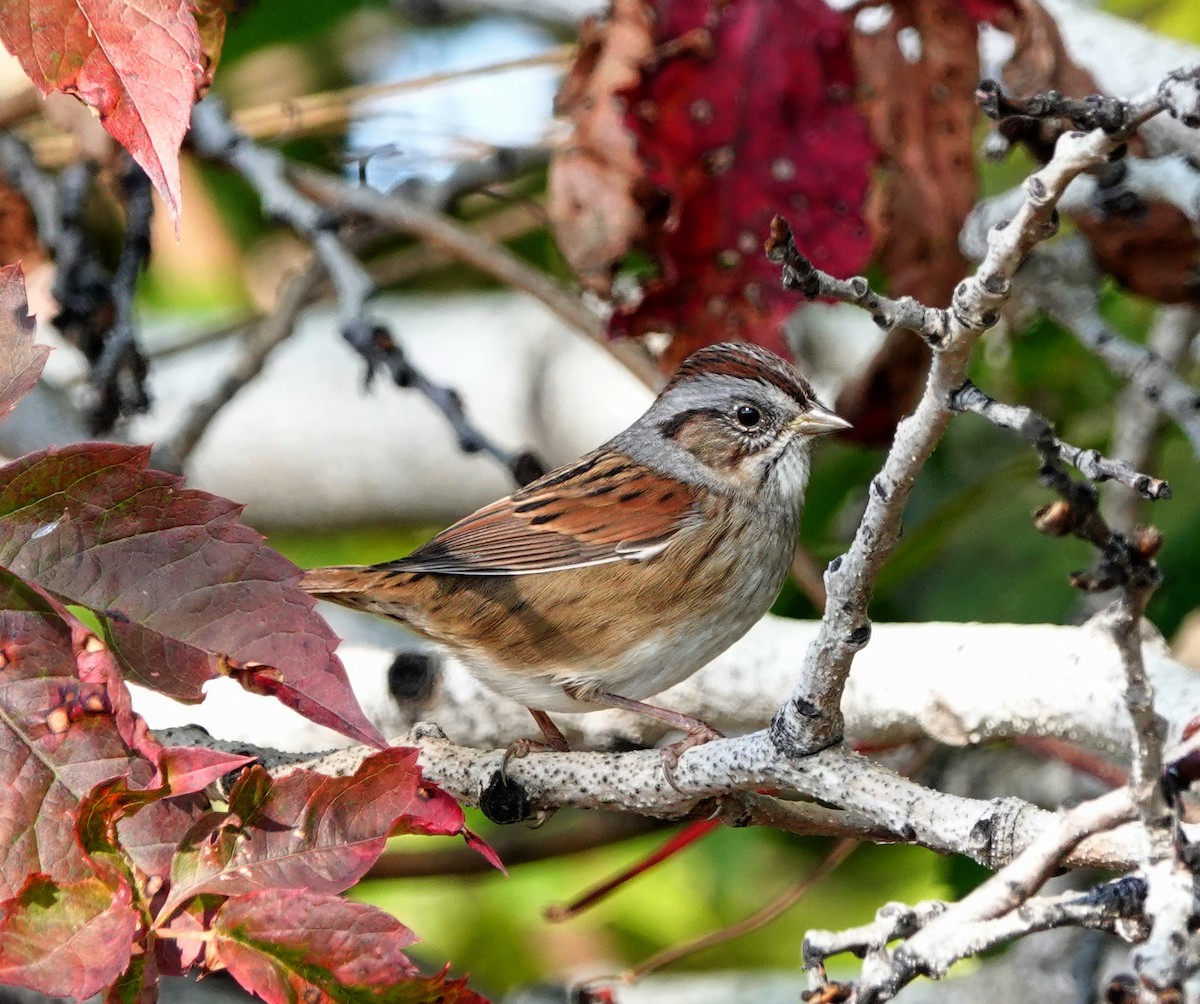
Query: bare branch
(1028, 424)
(1138, 422)
(118, 377)
(460, 242)
(1074, 302)
(812, 719)
(257, 344)
(216, 138)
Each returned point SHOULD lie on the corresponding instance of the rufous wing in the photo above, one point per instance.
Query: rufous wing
(603, 508)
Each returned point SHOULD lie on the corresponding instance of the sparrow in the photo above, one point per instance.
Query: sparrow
(609, 580)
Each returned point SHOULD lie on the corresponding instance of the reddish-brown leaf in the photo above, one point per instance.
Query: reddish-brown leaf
(19, 240)
(746, 111)
(66, 940)
(593, 177)
(59, 738)
(137, 64)
(925, 187)
(995, 12)
(147, 825)
(288, 945)
(1153, 251)
(310, 830)
(21, 360)
(184, 590)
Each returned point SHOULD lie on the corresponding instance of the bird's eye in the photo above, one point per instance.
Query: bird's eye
(747, 416)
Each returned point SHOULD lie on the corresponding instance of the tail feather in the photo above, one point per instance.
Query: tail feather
(361, 587)
(333, 582)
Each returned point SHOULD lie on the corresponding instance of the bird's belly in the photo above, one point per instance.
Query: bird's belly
(644, 664)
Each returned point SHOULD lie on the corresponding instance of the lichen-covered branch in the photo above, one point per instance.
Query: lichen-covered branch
(812, 718)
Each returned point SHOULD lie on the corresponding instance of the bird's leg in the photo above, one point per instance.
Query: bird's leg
(553, 741)
(698, 732)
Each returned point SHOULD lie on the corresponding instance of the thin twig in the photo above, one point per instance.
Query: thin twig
(1172, 957)
(19, 167)
(1138, 422)
(584, 832)
(1070, 295)
(215, 137)
(935, 935)
(777, 908)
(295, 116)
(456, 240)
(118, 377)
(1028, 424)
(256, 345)
(812, 718)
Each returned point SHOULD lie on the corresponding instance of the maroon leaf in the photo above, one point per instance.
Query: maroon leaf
(436, 813)
(145, 826)
(59, 738)
(994, 12)
(21, 360)
(746, 112)
(137, 64)
(289, 945)
(184, 591)
(182, 771)
(300, 831)
(66, 940)
(183, 946)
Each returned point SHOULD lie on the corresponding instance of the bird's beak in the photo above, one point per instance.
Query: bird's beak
(817, 421)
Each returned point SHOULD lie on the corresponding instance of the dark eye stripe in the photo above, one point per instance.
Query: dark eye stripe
(670, 428)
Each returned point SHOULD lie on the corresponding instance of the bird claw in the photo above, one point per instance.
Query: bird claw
(523, 747)
(698, 736)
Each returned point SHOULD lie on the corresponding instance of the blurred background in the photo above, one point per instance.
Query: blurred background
(451, 102)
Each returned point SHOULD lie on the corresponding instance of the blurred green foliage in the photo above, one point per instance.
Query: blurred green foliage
(1178, 18)
(495, 927)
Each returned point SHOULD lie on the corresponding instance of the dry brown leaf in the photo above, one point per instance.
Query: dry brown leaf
(593, 176)
(1152, 252)
(18, 229)
(922, 115)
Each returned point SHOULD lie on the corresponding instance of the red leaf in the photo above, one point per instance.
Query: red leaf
(435, 813)
(151, 836)
(58, 740)
(747, 112)
(186, 769)
(996, 12)
(181, 771)
(299, 830)
(21, 361)
(138, 65)
(294, 945)
(68, 940)
(147, 825)
(183, 589)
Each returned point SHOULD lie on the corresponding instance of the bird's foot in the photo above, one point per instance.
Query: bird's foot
(698, 733)
(552, 741)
